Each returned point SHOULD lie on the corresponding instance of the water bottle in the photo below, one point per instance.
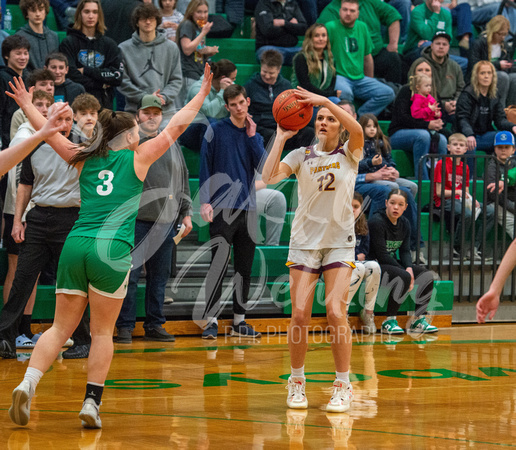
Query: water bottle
(8, 20)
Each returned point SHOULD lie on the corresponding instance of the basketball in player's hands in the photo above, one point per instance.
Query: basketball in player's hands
(289, 113)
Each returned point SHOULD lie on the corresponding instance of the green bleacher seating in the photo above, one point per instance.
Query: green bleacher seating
(274, 259)
(404, 163)
(384, 126)
(45, 305)
(50, 21)
(442, 298)
(239, 51)
(18, 19)
(192, 160)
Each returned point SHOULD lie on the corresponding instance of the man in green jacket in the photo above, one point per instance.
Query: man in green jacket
(427, 19)
(375, 14)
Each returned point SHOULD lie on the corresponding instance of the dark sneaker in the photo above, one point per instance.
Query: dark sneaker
(7, 349)
(77, 352)
(210, 332)
(244, 330)
(158, 334)
(124, 336)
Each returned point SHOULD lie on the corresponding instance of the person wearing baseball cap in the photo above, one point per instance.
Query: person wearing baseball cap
(165, 202)
(447, 75)
(150, 101)
(443, 34)
(495, 175)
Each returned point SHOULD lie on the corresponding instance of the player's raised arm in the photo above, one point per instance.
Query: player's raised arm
(273, 170)
(152, 149)
(23, 98)
(13, 155)
(488, 304)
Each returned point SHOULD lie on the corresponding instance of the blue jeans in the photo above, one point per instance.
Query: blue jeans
(403, 7)
(483, 14)
(154, 249)
(309, 10)
(461, 17)
(417, 141)
(375, 196)
(288, 53)
(376, 94)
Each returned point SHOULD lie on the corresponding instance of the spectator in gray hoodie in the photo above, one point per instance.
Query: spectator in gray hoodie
(152, 63)
(42, 39)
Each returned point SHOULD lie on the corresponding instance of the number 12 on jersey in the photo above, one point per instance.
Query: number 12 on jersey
(328, 186)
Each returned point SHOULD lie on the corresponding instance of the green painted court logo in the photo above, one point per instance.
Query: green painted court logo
(221, 379)
(139, 383)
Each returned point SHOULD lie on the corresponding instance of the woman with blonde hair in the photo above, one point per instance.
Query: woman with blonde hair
(478, 109)
(322, 239)
(491, 46)
(314, 69)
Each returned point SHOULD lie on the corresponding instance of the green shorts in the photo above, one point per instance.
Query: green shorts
(102, 265)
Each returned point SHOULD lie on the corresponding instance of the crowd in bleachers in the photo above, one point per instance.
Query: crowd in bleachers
(439, 72)
(365, 53)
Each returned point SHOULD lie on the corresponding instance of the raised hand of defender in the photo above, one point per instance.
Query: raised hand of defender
(206, 82)
(55, 124)
(19, 93)
(487, 306)
(308, 97)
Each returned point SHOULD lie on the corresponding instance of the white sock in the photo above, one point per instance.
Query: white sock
(237, 318)
(33, 375)
(342, 376)
(211, 320)
(298, 373)
(391, 318)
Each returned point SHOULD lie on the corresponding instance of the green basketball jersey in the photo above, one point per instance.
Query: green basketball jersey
(110, 197)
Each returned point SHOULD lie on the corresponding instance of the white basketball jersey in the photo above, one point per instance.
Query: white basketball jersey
(326, 184)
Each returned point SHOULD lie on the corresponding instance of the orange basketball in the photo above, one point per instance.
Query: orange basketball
(289, 113)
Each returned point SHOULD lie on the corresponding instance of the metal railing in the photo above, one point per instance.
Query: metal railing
(471, 277)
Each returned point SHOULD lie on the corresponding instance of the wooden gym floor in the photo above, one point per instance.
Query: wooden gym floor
(457, 391)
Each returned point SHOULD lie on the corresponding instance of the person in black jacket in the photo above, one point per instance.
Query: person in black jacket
(478, 108)
(313, 65)
(262, 88)
(15, 54)
(491, 46)
(279, 23)
(65, 90)
(413, 135)
(389, 234)
(93, 59)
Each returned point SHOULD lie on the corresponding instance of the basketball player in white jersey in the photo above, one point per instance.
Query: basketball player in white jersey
(322, 238)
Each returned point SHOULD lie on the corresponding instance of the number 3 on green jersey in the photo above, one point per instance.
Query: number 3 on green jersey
(107, 186)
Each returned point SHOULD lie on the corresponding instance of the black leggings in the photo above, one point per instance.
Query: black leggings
(398, 280)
